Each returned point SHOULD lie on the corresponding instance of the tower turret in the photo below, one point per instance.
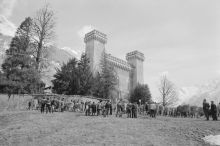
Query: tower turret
(136, 59)
(95, 49)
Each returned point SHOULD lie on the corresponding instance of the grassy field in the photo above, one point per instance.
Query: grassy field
(19, 127)
(32, 128)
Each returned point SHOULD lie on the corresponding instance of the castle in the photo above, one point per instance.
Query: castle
(129, 73)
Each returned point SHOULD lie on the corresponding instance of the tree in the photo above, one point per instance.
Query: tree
(76, 77)
(97, 86)
(43, 34)
(66, 79)
(108, 80)
(85, 76)
(19, 67)
(168, 91)
(141, 92)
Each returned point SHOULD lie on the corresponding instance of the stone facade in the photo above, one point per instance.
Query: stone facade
(129, 72)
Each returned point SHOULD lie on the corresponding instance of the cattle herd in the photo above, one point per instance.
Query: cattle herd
(105, 108)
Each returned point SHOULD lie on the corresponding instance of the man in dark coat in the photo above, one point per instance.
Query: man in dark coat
(213, 111)
(146, 108)
(110, 108)
(98, 108)
(206, 109)
(93, 109)
(43, 104)
(133, 108)
(29, 105)
(128, 110)
(48, 105)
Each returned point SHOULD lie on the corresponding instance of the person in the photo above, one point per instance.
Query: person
(35, 103)
(135, 110)
(107, 108)
(110, 108)
(213, 111)
(218, 109)
(104, 109)
(93, 109)
(48, 106)
(90, 108)
(98, 108)
(153, 110)
(128, 110)
(87, 108)
(118, 109)
(206, 109)
(132, 110)
(52, 105)
(146, 108)
(29, 105)
(43, 103)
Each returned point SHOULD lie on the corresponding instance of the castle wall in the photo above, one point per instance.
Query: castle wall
(123, 82)
(122, 69)
(140, 72)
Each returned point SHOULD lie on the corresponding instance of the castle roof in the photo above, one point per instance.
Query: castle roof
(135, 54)
(118, 62)
(96, 35)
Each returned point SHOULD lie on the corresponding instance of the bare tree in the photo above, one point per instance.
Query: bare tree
(43, 34)
(168, 91)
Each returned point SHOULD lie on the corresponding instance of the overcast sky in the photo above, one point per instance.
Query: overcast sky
(178, 37)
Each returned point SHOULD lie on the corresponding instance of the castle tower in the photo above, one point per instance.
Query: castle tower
(95, 49)
(136, 59)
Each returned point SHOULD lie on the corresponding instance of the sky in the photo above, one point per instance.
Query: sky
(179, 38)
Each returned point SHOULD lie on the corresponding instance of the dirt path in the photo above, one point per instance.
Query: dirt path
(32, 128)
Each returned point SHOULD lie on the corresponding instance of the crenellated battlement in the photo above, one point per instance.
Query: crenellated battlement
(135, 54)
(118, 62)
(96, 35)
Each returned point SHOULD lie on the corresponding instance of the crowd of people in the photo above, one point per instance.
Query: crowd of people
(212, 110)
(101, 108)
(46, 105)
(106, 108)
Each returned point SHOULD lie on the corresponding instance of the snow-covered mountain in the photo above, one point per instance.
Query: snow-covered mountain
(56, 58)
(195, 95)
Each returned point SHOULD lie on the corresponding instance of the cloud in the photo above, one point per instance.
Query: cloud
(7, 27)
(85, 29)
(6, 7)
(76, 53)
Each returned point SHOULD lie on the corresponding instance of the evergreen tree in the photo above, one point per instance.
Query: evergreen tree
(66, 79)
(97, 86)
(105, 81)
(19, 67)
(85, 76)
(141, 92)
